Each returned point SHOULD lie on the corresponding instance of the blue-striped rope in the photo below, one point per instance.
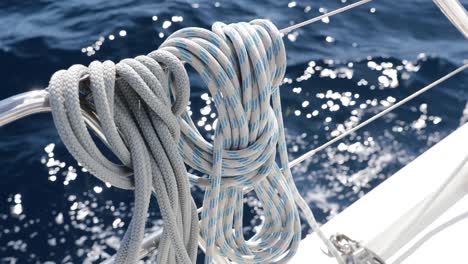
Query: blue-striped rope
(243, 65)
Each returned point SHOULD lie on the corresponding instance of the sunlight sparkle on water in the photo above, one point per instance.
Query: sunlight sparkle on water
(166, 24)
(17, 209)
(176, 19)
(97, 189)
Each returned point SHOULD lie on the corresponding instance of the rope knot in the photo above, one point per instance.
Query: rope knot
(242, 65)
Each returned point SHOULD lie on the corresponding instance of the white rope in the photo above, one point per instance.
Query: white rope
(456, 13)
(242, 65)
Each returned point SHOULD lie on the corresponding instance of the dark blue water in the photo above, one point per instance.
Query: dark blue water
(340, 72)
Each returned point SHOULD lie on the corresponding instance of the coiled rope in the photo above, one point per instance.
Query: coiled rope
(138, 105)
(243, 65)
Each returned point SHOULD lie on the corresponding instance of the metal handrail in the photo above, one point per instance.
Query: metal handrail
(34, 102)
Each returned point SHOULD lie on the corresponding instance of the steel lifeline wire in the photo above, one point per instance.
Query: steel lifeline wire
(143, 117)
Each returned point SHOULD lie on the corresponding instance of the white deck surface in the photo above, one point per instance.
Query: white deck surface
(384, 219)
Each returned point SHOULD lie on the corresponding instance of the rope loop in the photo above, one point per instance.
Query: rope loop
(138, 114)
(242, 65)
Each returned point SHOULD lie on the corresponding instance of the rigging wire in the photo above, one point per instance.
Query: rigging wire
(377, 116)
(318, 18)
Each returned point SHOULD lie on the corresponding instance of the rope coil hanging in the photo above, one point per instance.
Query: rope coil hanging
(137, 105)
(143, 117)
(243, 65)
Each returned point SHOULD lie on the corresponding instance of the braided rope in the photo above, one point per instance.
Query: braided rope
(141, 127)
(143, 117)
(242, 65)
